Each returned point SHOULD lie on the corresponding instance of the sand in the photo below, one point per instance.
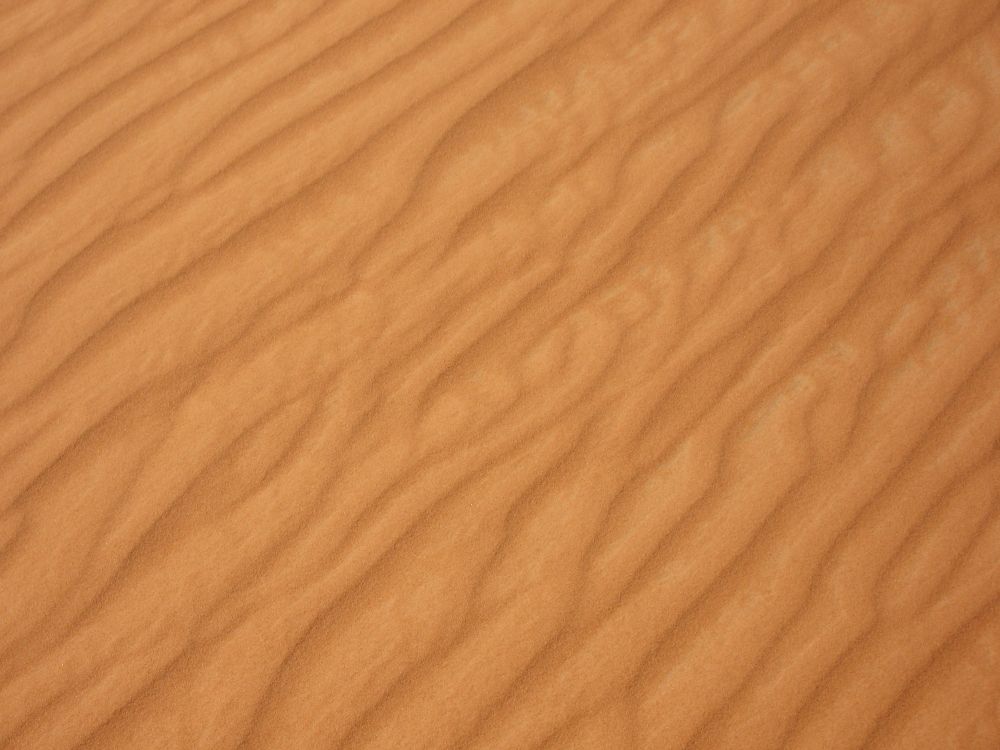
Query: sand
(500, 374)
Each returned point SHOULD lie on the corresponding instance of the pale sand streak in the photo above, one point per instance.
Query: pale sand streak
(500, 374)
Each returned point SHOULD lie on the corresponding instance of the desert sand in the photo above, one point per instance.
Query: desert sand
(500, 374)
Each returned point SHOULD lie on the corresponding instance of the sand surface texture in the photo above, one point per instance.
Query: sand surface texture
(500, 374)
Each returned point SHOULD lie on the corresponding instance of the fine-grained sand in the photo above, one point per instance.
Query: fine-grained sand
(488, 374)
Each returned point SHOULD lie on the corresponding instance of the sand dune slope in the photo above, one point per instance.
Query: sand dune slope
(500, 374)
